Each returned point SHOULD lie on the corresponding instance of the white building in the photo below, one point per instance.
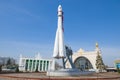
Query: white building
(85, 60)
(34, 64)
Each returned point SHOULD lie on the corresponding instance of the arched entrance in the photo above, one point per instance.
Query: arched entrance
(83, 63)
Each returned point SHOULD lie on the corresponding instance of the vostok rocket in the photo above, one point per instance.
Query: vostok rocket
(59, 47)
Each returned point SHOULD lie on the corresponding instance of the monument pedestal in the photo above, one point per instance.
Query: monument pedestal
(68, 72)
(64, 72)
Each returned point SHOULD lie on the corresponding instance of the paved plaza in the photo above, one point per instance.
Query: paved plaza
(42, 76)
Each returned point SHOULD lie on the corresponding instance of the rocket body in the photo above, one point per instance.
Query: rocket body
(59, 47)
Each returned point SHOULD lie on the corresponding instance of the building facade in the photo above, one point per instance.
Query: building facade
(85, 60)
(36, 64)
(117, 64)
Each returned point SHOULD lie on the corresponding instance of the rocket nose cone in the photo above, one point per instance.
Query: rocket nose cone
(59, 8)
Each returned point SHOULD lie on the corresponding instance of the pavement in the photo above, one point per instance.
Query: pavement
(42, 76)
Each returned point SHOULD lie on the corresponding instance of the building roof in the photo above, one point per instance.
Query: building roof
(117, 61)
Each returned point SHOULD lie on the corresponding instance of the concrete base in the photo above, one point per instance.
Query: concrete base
(67, 72)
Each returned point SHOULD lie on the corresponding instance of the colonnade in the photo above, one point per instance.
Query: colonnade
(33, 65)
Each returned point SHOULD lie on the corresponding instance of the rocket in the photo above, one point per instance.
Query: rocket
(59, 47)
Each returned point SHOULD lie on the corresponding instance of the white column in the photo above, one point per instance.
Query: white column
(49, 65)
(20, 63)
(39, 66)
(35, 64)
(24, 64)
(46, 66)
(32, 66)
(28, 65)
(42, 65)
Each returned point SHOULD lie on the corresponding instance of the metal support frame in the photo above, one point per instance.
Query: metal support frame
(68, 57)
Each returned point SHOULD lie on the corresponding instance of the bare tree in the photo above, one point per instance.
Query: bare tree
(8, 62)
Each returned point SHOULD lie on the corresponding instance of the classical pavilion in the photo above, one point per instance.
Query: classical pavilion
(36, 64)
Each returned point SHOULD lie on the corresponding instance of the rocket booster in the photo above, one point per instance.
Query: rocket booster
(59, 47)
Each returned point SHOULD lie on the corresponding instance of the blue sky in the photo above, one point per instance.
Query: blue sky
(29, 26)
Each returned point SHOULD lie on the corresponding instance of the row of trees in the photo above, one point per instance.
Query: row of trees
(10, 64)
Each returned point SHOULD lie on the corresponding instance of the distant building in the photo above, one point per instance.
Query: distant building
(85, 60)
(111, 69)
(117, 64)
(34, 64)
